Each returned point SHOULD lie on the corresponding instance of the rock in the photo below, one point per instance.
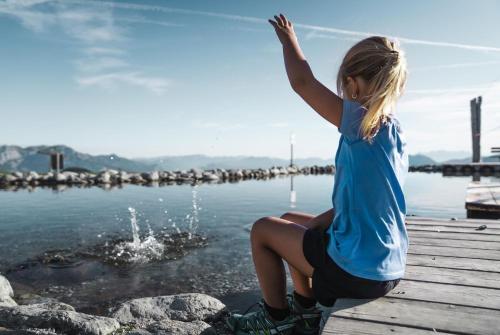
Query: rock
(7, 301)
(35, 300)
(173, 327)
(138, 331)
(32, 331)
(151, 176)
(64, 321)
(5, 288)
(104, 178)
(17, 174)
(181, 307)
(9, 178)
(210, 176)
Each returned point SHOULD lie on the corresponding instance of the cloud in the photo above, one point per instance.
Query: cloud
(454, 66)
(443, 116)
(330, 30)
(102, 42)
(111, 81)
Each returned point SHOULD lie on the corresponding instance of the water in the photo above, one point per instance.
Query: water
(91, 247)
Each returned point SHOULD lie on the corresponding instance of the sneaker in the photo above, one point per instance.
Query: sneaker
(307, 320)
(259, 323)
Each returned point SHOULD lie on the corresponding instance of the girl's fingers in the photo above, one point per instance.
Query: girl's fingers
(279, 20)
(285, 21)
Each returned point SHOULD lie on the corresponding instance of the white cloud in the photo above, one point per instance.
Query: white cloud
(442, 116)
(112, 81)
(100, 39)
(330, 30)
(454, 66)
(100, 63)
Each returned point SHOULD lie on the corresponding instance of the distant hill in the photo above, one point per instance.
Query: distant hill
(440, 156)
(419, 159)
(226, 162)
(15, 158)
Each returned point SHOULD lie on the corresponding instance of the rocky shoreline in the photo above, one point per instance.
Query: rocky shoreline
(182, 314)
(109, 178)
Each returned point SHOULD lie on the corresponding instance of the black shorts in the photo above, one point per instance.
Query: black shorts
(329, 281)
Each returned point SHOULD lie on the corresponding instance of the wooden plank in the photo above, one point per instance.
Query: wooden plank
(449, 294)
(453, 236)
(459, 222)
(454, 263)
(451, 251)
(343, 326)
(468, 225)
(453, 276)
(465, 230)
(482, 245)
(426, 315)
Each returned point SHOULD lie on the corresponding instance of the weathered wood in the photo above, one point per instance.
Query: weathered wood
(453, 276)
(451, 285)
(450, 294)
(450, 251)
(343, 326)
(454, 263)
(458, 222)
(446, 229)
(454, 236)
(426, 315)
(482, 245)
(483, 200)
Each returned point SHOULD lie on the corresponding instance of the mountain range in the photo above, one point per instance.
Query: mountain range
(34, 158)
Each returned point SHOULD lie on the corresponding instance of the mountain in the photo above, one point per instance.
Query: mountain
(186, 162)
(440, 156)
(15, 158)
(419, 159)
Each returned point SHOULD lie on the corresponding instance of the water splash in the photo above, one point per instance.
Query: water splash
(138, 251)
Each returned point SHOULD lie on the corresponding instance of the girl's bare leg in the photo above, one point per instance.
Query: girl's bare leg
(274, 239)
(302, 283)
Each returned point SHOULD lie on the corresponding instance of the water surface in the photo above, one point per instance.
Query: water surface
(62, 244)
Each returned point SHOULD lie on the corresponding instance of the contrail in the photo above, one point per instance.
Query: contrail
(163, 9)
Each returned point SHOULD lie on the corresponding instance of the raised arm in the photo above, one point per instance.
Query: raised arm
(319, 97)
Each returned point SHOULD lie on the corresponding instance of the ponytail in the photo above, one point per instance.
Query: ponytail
(382, 64)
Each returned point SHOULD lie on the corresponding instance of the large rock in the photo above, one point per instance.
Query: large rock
(5, 288)
(185, 307)
(7, 301)
(5, 331)
(173, 327)
(62, 321)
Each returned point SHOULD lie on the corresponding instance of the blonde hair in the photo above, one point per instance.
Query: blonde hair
(382, 64)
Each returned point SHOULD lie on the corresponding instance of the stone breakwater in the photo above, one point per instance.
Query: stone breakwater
(182, 314)
(113, 177)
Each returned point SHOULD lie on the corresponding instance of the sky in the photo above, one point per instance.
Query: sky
(154, 78)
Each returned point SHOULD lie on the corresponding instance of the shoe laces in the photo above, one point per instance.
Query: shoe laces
(260, 320)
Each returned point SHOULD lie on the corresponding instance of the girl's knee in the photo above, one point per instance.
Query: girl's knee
(258, 226)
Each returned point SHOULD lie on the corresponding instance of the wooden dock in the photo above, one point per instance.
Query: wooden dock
(483, 200)
(451, 285)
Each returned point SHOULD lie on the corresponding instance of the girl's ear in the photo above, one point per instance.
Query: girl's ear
(352, 88)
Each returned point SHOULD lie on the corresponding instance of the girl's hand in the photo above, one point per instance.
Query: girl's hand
(283, 28)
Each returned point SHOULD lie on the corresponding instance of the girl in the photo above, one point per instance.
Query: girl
(358, 248)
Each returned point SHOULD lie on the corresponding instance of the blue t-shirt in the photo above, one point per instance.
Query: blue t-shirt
(368, 236)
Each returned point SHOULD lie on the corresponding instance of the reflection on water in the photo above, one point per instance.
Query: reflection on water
(91, 248)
